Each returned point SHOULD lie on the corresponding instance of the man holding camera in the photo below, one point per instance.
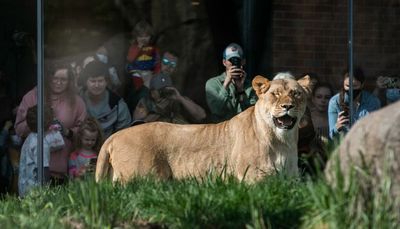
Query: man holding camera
(164, 102)
(229, 93)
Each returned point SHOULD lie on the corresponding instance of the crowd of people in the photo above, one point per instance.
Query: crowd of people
(83, 106)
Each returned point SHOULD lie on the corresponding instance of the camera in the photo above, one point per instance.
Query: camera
(236, 61)
(165, 92)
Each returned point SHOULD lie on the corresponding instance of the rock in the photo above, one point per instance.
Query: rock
(372, 149)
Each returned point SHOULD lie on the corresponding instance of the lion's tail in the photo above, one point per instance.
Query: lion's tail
(103, 165)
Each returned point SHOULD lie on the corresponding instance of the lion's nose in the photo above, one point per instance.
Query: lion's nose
(287, 106)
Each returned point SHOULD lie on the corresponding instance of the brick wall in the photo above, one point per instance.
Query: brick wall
(311, 36)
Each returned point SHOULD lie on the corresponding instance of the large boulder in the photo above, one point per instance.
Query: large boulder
(372, 150)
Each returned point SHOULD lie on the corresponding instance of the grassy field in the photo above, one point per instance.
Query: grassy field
(277, 202)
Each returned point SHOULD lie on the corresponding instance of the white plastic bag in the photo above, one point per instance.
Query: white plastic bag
(55, 140)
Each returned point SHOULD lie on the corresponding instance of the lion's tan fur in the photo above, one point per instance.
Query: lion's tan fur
(248, 146)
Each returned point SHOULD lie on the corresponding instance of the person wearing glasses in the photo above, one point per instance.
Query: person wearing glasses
(69, 110)
(169, 62)
(229, 93)
(164, 102)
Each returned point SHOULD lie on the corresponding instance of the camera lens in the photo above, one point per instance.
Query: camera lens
(164, 92)
(236, 61)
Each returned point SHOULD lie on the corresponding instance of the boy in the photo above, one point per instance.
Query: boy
(28, 166)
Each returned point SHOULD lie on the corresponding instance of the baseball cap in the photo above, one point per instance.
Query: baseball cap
(233, 50)
(160, 81)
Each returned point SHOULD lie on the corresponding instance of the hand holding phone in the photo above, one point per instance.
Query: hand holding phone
(342, 120)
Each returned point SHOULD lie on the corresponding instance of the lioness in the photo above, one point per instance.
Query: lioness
(255, 143)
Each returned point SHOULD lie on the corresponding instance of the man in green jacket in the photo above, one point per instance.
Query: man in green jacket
(229, 93)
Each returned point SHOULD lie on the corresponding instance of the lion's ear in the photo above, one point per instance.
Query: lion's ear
(260, 85)
(307, 84)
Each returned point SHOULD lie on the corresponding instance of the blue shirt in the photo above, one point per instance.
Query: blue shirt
(367, 104)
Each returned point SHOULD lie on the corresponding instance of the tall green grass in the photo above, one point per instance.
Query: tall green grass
(213, 202)
(210, 203)
(354, 200)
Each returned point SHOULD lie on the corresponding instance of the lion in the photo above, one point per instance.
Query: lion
(258, 142)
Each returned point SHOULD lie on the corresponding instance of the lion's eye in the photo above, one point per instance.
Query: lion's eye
(276, 93)
(297, 93)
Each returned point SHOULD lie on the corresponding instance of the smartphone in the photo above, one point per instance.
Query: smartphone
(345, 109)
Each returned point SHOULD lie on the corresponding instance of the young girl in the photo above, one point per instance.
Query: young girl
(88, 143)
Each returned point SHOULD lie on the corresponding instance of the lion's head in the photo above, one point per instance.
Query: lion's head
(283, 101)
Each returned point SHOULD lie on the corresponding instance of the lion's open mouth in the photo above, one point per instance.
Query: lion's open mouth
(285, 122)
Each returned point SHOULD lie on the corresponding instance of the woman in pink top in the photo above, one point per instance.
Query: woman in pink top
(68, 108)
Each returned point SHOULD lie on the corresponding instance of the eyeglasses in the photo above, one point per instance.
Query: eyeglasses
(167, 62)
(60, 80)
